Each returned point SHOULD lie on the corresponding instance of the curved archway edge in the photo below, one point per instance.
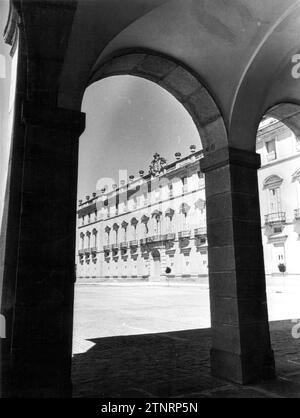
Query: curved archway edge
(181, 83)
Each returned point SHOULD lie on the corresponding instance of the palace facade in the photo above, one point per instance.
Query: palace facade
(153, 228)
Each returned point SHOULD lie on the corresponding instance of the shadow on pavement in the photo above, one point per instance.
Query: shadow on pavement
(176, 364)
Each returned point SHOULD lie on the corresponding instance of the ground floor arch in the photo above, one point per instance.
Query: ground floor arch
(45, 300)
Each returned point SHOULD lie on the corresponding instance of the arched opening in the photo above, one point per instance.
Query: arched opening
(50, 129)
(158, 214)
(278, 146)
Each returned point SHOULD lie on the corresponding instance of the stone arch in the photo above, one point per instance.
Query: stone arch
(181, 82)
(288, 114)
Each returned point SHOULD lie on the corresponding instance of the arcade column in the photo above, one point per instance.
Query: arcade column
(241, 349)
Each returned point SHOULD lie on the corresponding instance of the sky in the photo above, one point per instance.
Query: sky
(128, 119)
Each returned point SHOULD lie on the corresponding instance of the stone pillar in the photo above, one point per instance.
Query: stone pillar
(241, 349)
(38, 253)
(37, 245)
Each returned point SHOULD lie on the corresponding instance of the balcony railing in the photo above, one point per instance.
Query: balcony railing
(297, 214)
(184, 234)
(275, 218)
(200, 231)
(154, 238)
(134, 243)
(200, 240)
(169, 237)
(123, 245)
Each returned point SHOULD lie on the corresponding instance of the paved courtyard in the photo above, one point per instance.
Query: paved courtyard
(151, 340)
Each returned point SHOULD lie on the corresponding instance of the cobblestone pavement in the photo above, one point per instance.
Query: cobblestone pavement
(154, 341)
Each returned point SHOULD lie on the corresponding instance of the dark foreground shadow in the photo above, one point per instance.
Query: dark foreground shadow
(176, 364)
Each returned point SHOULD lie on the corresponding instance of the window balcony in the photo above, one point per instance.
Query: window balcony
(169, 237)
(81, 253)
(87, 251)
(115, 246)
(143, 241)
(134, 243)
(184, 234)
(123, 245)
(94, 250)
(106, 248)
(200, 240)
(200, 232)
(154, 238)
(275, 218)
(297, 214)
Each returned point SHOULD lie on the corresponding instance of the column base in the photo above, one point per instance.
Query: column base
(242, 369)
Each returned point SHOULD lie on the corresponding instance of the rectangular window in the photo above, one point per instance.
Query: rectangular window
(271, 150)
(184, 184)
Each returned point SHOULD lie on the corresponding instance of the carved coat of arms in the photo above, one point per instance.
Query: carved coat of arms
(157, 165)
